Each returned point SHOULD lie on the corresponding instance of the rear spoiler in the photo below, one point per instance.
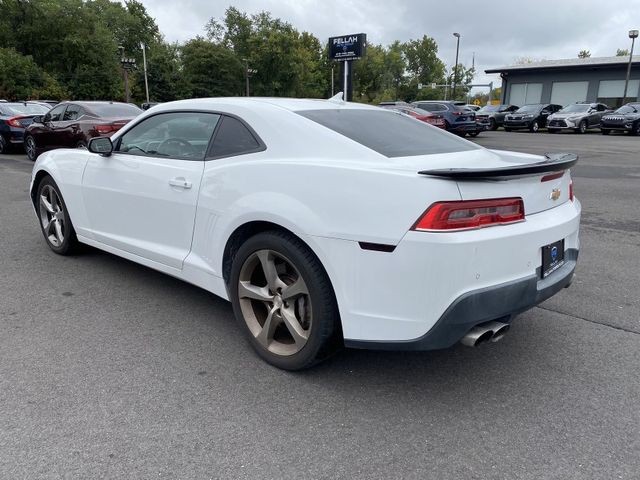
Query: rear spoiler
(555, 162)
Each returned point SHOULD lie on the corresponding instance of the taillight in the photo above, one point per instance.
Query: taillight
(102, 129)
(571, 190)
(471, 214)
(13, 121)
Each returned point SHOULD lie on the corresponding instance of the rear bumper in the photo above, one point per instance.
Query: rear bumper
(433, 287)
(464, 127)
(501, 302)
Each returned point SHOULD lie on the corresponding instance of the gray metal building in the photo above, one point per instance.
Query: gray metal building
(568, 81)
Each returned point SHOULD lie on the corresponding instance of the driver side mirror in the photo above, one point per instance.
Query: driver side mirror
(46, 118)
(101, 146)
(37, 119)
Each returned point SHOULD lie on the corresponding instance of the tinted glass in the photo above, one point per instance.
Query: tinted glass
(233, 138)
(388, 133)
(73, 112)
(490, 108)
(115, 110)
(24, 109)
(432, 107)
(529, 108)
(176, 135)
(55, 114)
(628, 109)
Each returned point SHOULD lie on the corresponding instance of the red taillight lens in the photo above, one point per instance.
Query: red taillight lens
(469, 214)
(102, 129)
(552, 176)
(13, 121)
(571, 190)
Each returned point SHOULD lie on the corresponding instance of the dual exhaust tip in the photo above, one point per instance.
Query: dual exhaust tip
(483, 333)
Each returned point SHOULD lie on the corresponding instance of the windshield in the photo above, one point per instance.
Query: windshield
(576, 107)
(529, 108)
(114, 109)
(25, 108)
(490, 108)
(388, 133)
(628, 108)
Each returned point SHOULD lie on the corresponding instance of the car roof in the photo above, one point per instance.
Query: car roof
(291, 104)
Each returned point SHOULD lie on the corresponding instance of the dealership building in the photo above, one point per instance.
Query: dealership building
(568, 81)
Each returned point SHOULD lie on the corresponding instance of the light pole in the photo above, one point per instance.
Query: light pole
(127, 65)
(455, 67)
(247, 73)
(144, 62)
(633, 34)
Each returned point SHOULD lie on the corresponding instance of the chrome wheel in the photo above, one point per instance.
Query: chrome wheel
(52, 216)
(275, 302)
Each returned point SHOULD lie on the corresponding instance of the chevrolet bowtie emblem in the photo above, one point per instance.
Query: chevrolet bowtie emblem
(555, 194)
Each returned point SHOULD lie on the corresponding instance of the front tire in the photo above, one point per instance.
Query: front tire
(493, 125)
(284, 301)
(535, 126)
(30, 148)
(635, 129)
(582, 127)
(507, 129)
(604, 131)
(55, 223)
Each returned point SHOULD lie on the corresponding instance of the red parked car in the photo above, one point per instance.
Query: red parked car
(418, 113)
(72, 124)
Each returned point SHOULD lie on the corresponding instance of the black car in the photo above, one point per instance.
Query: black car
(624, 119)
(490, 117)
(15, 117)
(533, 116)
(457, 118)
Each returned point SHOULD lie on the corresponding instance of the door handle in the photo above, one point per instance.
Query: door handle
(180, 182)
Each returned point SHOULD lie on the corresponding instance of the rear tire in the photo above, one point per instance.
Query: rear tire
(4, 148)
(30, 148)
(474, 134)
(284, 302)
(55, 223)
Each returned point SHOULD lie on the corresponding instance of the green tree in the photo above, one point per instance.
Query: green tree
(584, 54)
(22, 79)
(622, 52)
(210, 69)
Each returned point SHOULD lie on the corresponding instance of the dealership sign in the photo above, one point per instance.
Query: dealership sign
(347, 47)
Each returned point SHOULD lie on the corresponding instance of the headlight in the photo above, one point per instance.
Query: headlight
(527, 116)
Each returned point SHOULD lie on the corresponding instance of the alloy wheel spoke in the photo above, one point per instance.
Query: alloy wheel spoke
(265, 337)
(46, 204)
(57, 224)
(293, 325)
(269, 269)
(248, 290)
(55, 202)
(294, 290)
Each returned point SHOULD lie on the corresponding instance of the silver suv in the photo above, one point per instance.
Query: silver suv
(577, 117)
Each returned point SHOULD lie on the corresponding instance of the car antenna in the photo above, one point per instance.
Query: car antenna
(337, 98)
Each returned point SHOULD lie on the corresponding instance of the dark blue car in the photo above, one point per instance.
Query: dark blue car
(14, 118)
(458, 118)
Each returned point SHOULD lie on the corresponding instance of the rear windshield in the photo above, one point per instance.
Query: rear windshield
(114, 110)
(490, 108)
(388, 133)
(24, 108)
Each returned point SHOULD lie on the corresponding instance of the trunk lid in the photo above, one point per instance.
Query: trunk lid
(542, 182)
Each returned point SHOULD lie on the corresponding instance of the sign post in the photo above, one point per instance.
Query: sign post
(345, 49)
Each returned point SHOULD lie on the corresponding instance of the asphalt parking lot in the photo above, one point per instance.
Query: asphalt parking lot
(111, 370)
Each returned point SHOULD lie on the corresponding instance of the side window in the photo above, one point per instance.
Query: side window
(73, 112)
(233, 138)
(429, 107)
(184, 135)
(601, 108)
(55, 114)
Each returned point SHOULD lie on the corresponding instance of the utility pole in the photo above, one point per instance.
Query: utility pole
(633, 34)
(455, 68)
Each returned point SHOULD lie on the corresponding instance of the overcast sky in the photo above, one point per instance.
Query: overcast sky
(498, 31)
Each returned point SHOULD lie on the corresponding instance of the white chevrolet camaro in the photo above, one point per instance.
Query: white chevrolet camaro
(325, 223)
